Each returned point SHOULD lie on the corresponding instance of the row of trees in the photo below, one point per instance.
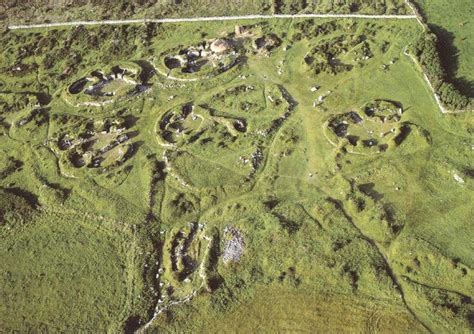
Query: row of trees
(426, 51)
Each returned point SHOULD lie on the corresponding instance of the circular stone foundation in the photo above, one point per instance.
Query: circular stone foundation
(374, 128)
(102, 87)
(97, 146)
(202, 61)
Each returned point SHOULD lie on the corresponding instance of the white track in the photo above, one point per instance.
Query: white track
(211, 19)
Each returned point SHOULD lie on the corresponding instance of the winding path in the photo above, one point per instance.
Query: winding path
(210, 19)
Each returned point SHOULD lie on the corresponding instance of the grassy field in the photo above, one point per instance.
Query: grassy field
(64, 273)
(280, 308)
(451, 21)
(301, 179)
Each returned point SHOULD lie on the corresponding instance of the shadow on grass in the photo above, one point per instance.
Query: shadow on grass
(449, 55)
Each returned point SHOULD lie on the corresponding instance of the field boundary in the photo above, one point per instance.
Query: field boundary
(210, 19)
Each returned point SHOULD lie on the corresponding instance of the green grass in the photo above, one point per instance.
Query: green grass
(334, 238)
(61, 272)
(278, 308)
(452, 22)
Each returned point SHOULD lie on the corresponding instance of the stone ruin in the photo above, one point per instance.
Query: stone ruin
(377, 125)
(218, 54)
(234, 245)
(102, 87)
(97, 145)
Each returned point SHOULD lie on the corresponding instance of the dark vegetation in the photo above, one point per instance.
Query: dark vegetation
(344, 6)
(426, 49)
(31, 11)
(437, 54)
(17, 206)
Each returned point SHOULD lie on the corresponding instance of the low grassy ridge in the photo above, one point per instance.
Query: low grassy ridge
(305, 181)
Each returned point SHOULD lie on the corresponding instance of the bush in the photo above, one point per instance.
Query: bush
(452, 97)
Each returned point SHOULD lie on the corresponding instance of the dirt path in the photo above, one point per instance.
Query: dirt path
(210, 19)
